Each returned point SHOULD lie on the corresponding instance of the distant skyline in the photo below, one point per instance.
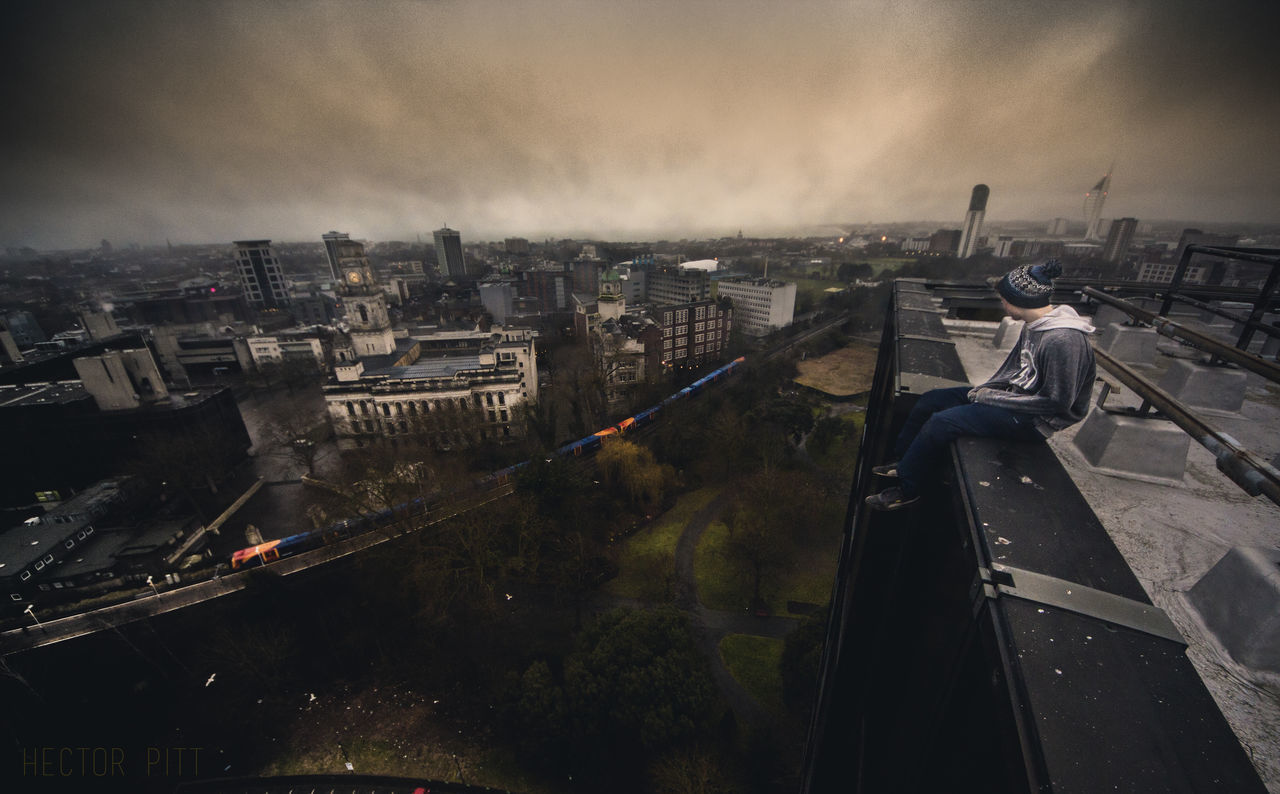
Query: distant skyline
(207, 122)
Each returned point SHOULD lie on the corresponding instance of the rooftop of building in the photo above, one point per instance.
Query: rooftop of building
(30, 394)
(114, 545)
(1172, 532)
(22, 544)
(758, 281)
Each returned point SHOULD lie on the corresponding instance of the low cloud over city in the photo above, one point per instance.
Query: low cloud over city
(205, 122)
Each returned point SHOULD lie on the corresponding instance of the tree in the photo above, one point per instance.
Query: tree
(298, 429)
(631, 468)
(635, 686)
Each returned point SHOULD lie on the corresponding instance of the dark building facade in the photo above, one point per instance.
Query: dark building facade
(1119, 238)
(449, 253)
(260, 275)
(694, 334)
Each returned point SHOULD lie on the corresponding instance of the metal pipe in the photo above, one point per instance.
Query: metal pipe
(1243, 467)
(1169, 328)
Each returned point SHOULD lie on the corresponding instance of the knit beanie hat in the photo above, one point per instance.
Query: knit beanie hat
(1029, 286)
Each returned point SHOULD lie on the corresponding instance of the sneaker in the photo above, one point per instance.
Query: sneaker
(889, 470)
(890, 499)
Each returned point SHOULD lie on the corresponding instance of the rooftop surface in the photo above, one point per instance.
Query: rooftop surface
(1171, 534)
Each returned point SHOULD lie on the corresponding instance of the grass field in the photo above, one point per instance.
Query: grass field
(755, 663)
(806, 578)
(648, 557)
(842, 372)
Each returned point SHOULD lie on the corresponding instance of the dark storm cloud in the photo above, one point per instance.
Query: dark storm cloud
(141, 121)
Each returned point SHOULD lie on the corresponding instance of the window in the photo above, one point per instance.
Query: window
(666, 344)
(502, 398)
(70, 544)
(48, 558)
(386, 409)
(25, 575)
(39, 565)
(700, 313)
(682, 330)
(682, 316)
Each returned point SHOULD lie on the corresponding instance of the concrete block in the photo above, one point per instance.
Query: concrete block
(1152, 450)
(1200, 386)
(1107, 314)
(1231, 307)
(1150, 304)
(1239, 601)
(1271, 348)
(1129, 344)
(1008, 332)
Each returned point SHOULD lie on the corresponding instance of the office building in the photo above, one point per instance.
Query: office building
(972, 227)
(260, 275)
(673, 285)
(695, 333)
(449, 253)
(332, 243)
(760, 305)
(945, 241)
(1119, 238)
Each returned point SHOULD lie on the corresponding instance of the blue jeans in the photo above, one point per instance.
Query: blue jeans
(941, 416)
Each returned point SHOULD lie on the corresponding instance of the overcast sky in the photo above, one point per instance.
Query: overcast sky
(210, 122)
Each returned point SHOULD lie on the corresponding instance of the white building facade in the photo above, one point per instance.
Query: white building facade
(760, 305)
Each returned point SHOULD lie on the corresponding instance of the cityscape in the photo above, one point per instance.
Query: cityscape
(469, 396)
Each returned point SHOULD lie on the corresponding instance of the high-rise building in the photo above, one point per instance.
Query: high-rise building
(945, 241)
(1057, 227)
(1093, 201)
(1119, 238)
(260, 274)
(331, 242)
(973, 221)
(449, 253)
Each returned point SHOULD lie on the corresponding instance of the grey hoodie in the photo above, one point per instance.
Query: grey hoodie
(1049, 373)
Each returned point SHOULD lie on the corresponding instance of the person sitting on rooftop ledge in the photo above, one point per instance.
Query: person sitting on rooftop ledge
(1043, 386)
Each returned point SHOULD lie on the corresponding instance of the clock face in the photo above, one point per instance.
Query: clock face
(354, 276)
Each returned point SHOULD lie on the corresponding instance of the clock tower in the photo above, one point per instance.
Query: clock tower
(365, 302)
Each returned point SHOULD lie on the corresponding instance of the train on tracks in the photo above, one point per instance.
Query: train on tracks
(272, 550)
